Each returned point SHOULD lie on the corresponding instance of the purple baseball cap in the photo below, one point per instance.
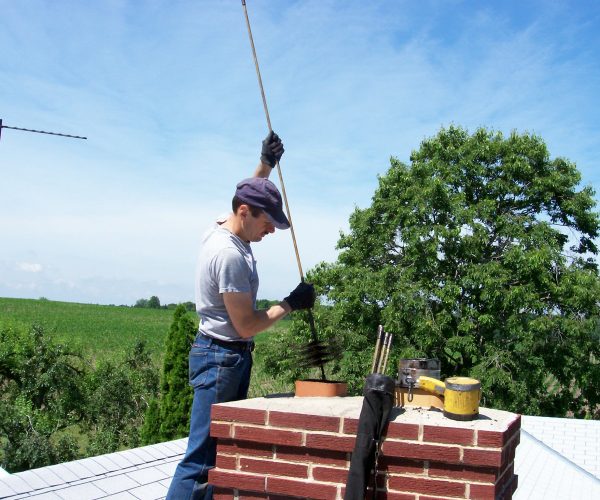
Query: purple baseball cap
(262, 193)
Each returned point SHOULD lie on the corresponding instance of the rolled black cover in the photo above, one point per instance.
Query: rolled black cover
(377, 403)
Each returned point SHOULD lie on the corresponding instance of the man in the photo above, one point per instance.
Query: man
(226, 287)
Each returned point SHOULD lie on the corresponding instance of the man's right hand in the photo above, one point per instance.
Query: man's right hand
(272, 149)
(302, 297)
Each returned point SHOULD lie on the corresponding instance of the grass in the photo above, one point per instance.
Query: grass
(103, 332)
(107, 332)
(262, 384)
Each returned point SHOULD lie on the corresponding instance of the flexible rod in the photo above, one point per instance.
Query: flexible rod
(311, 320)
(264, 100)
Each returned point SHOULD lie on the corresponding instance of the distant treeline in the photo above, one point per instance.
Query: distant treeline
(154, 303)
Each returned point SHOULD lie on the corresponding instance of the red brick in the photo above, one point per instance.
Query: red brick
(491, 439)
(350, 426)
(517, 438)
(514, 426)
(448, 435)
(264, 435)
(427, 486)
(453, 471)
(497, 439)
(228, 494)
(223, 494)
(239, 415)
(395, 465)
(508, 453)
(330, 442)
(226, 462)
(506, 476)
(403, 449)
(396, 430)
(248, 495)
(309, 489)
(254, 449)
(220, 430)
(330, 474)
(393, 495)
(226, 446)
(489, 458)
(273, 467)
(227, 479)
(318, 457)
(431, 497)
(245, 495)
(511, 487)
(300, 421)
(483, 491)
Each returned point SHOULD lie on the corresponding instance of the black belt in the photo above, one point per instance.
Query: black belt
(238, 345)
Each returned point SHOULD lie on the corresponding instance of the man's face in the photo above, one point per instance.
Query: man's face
(256, 228)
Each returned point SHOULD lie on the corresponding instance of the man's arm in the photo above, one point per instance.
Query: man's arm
(263, 170)
(246, 320)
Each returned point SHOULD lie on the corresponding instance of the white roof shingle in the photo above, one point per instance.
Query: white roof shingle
(578, 440)
(141, 473)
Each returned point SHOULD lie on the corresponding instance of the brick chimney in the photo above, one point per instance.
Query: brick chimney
(286, 447)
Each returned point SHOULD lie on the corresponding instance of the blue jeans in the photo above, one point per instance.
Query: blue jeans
(218, 374)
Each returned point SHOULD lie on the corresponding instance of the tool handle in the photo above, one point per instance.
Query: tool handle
(313, 335)
(377, 351)
(311, 320)
(264, 100)
(431, 385)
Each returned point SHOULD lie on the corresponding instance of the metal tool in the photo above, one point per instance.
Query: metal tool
(315, 352)
(410, 369)
(38, 131)
(382, 351)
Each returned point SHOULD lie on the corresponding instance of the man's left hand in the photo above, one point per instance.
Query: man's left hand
(272, 149)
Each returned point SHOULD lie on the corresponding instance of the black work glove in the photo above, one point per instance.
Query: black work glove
(303, 297)
(272, 149)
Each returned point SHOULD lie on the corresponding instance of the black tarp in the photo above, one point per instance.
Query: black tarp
(377, 403)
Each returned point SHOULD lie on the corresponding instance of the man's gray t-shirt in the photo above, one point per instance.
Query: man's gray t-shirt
(225, 264)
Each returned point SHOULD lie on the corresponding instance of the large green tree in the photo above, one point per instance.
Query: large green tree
(480, 252)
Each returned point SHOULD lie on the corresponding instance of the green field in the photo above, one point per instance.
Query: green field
(107, 332)
(100, 331)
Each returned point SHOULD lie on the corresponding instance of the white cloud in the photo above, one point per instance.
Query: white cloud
(29, 267)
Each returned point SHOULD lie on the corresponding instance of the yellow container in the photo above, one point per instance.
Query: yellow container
(461, 395)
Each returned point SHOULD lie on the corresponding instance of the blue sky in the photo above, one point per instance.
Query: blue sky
(167, 94)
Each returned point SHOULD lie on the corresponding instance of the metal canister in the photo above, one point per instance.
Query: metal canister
(461, 398)
(409, 370)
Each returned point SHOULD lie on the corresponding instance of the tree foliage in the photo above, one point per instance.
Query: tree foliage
(118, 394)
(480, 252)
(169, 417)
(48, 391)
(40, 397)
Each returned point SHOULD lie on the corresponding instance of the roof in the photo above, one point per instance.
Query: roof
(140, 473)
(577, 440)
(557, 458)
(546, 474)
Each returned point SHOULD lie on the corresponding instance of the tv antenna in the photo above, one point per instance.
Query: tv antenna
(38, 131)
